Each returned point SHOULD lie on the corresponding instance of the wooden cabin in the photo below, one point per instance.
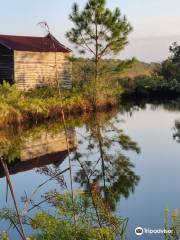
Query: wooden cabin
(31, 62)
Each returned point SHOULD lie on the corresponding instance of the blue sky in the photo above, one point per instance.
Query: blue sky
(156, 23)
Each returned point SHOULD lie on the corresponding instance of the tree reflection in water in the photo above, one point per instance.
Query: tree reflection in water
(102, 160)
(102, 168)
(176, 128)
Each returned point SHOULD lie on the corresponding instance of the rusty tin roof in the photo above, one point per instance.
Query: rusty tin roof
(33, 44)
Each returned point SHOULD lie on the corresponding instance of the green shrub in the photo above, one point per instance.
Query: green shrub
(61, 226)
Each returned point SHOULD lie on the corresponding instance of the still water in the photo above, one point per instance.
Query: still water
(141, 162)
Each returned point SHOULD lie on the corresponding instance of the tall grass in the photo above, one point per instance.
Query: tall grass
(41, 104)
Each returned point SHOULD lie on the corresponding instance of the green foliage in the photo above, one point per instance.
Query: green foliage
(93, 207)
(105, 162)
(10, 216)
(61, 226)
(44, 103)
(53, 228)
(170, 69)
(42, 92)
(40, 103)
(163, 79)
(108, 89)
(100, 32)
(13, 138)
(9, 109)
(140, 69)
(127, 144)
(9, 93)
(141, 86)
(175, 51)
(174, 220)
(149, 86)
(4, 236)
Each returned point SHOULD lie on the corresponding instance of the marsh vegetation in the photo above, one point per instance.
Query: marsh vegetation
(75, 140)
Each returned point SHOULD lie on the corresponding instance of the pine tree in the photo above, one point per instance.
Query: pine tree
(98, 31)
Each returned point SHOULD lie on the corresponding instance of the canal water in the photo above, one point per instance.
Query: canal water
(133, 151)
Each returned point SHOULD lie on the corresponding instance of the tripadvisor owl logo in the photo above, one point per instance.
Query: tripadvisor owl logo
(139, 231)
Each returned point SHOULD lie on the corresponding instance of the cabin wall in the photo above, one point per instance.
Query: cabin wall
(35, 69)
(6, 64)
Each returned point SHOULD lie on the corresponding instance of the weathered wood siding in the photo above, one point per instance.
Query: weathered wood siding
(6, 64)
(33, 69)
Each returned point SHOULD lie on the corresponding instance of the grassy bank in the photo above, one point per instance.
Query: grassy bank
(42, 104)
(137, 80)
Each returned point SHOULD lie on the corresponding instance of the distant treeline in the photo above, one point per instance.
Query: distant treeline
(136, 78)
(136, 68)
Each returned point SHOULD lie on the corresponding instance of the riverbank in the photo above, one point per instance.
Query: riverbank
(45, 104)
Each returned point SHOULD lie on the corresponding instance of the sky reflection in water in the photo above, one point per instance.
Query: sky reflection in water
(142, 195)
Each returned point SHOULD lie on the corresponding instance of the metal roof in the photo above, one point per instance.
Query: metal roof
(33, 44)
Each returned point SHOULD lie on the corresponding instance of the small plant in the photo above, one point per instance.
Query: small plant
(174, 223)
(88, 225)
(4, 236)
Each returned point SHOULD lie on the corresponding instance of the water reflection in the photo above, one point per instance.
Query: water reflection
(133, 105)
(35, 148)
(103, 161)
(98, 151)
